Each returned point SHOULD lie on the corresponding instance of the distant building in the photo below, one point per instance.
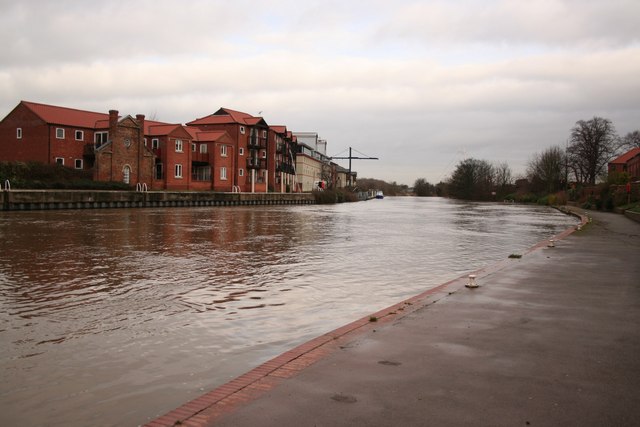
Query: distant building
(629, 162)
(225, 151)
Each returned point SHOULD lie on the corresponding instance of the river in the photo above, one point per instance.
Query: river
(115, 317)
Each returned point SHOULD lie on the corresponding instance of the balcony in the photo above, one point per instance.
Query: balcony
(200, 157)
(256, 163)
(256, 142)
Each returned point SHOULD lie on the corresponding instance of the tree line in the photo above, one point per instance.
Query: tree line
(592, 144)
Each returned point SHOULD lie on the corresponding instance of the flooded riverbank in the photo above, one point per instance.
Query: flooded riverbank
(112, 317)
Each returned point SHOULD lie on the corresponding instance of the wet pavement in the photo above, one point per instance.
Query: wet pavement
(551, 338)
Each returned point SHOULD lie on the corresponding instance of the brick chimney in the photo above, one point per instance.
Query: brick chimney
(113, 123)
(140, 120)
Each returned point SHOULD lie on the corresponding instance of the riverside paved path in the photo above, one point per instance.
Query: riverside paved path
(551, 339)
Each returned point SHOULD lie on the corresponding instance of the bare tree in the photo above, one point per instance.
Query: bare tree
(592, 146)
(503, 175)
(630, 140)
(547, 170)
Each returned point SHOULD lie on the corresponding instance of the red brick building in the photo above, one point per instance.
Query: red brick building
(283, 152)
(225, 151)
(251, 138)
(123, 157)
(629, 162)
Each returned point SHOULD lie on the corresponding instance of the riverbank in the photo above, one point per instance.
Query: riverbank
(547, 339)
(100, 199)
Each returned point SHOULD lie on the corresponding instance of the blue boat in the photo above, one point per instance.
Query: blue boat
(379, 195)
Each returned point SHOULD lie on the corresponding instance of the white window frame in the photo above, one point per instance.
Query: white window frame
(18, 133)
(60, 161)
(177, 170)
(193, 148)
(59, 133)
(204, 148)
(81, 164)
(178, 146)
(242, 130)
(155, 143)
(79, 132)
(264, 154)
(223, 173)
(145, 142)
(241, 172)
(223, 150)
(264, 133)
(241, 151)
(126, 174)
(101, 137)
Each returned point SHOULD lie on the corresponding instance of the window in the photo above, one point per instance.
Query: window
(59, 133)
(126, 174)
(178, 171)
(193, 148)
(223, 173)
(223, 150)
(78, 163)
(178, 146)
(264, 154)
(242, 130)
(145, 142)
(100, 138)
(19, 133)
(60, 161)
(155, 143)
(264, 133)
(241, 151)
(204, 148)
(241, 172)
(79, 135)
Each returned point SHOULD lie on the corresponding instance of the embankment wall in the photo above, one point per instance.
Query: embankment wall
(76, 199)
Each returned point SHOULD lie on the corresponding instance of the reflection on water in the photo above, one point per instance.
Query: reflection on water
(113, 317)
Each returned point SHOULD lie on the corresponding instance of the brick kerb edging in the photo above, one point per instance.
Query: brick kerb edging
(205, 409)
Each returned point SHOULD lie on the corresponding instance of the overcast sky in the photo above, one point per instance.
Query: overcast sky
(419, 84)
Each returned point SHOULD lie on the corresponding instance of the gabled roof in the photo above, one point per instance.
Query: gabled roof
(208, 136)
(626, 156)
(67, 116)
(279, 129)
(159, 129)
(228, 116)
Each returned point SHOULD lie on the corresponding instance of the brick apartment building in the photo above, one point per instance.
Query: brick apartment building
(225, 151)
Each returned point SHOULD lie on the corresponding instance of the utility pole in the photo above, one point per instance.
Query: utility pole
(351, 157)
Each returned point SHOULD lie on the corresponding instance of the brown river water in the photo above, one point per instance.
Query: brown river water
(115, 317)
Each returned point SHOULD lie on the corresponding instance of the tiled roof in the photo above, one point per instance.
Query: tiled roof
(159, 129)
(208, 136)
(237, 116)
(67, 116)
(212, 120)
(279, 129)
(627, 156)
(226, 116)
